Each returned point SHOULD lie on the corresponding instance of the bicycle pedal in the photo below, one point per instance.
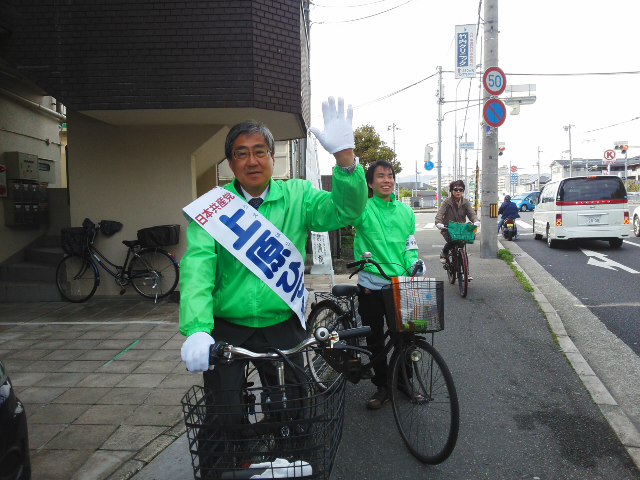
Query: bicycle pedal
(122, 290)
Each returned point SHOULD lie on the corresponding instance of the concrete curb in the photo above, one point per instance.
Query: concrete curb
(613, 413)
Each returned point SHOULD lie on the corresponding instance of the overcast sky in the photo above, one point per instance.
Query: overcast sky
(371, 58)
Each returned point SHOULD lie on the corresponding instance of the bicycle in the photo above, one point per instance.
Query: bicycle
(269, 431)
(457, 262)
(423, 395)
(151, 270)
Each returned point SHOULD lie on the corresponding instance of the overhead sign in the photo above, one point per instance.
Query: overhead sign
(494, 81)
(609, 156)
(465, 51)
(466, 145)
(494, 112)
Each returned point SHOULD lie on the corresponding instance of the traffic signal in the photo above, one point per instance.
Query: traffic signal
(624, 148)
(500, 151)
(621, 145)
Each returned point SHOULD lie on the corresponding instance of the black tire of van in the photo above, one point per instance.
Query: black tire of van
(615, 242)
(551, 243)
(536, 236)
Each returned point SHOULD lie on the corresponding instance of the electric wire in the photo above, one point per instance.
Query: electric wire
(347, 6)
(361, 18)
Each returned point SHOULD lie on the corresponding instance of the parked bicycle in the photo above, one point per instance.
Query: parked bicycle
(269, 431)
(152, 271)
(457, 262)
(423, 395)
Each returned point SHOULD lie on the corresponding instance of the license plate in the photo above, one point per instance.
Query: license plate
(592, 219)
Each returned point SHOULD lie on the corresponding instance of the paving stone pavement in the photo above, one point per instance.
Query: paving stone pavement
(101, 381)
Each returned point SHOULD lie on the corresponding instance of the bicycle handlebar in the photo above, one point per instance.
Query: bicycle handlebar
(222, 352)
(367, 260)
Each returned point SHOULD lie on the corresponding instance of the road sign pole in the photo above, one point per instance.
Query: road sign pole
(489, 191)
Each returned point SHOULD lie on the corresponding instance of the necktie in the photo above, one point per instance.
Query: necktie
(256, 202)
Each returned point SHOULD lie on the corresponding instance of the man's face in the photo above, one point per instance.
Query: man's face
(252, 163)
(383, 183)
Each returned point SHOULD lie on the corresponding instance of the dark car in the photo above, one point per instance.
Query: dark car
(15, 463)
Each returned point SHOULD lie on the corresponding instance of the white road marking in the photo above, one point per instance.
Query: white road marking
(600, 260)
(631, 243)
(524, 224)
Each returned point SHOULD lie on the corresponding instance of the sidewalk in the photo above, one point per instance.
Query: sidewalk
(101, 382)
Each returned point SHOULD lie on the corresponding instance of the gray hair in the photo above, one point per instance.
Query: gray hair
(248, 127)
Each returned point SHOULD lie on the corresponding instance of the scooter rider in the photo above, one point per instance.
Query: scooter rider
(508, 210)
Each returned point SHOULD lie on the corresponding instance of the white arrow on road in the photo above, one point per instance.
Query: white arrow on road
(601, 260)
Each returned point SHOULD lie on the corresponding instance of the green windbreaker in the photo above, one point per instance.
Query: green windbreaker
(213, 283)
(383, 230)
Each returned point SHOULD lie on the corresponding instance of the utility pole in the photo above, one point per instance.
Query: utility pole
(393, 127)
(489, 241)
(440, 102)
(538, 164)
(466, 150)
(567, 128)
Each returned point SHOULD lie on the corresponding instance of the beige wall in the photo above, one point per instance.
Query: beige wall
(138, 175)
(24, 129)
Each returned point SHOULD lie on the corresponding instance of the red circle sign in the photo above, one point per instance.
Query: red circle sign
(494, 81)
(494, 112)
(514, 169)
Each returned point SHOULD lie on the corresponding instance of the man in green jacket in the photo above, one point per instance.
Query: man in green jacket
(386, 230)
(223, 299)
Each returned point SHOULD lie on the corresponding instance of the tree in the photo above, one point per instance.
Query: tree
(371, 148)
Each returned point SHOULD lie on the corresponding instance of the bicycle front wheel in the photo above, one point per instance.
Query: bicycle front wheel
(463, 272)
(424, 401)
(77, 278)
(450, 266)
(325, 314)
(153, 273)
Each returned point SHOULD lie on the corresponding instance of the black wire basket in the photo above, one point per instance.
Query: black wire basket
(264, 432)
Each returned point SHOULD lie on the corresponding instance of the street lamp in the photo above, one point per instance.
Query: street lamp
(538, 165)
(567, 128)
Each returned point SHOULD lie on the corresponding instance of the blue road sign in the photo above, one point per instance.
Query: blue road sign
(428, 165)
(514, 179)
(494, 112)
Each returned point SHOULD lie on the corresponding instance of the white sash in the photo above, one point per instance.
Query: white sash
(256, 242)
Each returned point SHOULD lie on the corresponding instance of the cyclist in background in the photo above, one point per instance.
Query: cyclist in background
(508, 210)
(455, 208)
(386, 229)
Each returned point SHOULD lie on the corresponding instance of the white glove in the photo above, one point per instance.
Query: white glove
(477, 223)
(419, 268)
(439, 226)
(338, 131)
(195, 351)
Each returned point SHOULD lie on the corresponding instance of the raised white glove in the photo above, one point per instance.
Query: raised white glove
(477, 223)
(195, 351)
(338, 131)
(419, 268)
(439, 226)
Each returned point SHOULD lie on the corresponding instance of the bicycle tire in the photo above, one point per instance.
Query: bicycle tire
(153, 273)
(428, 425)
(326, 313)
(463, 272)
(77, 278)
(451, 265)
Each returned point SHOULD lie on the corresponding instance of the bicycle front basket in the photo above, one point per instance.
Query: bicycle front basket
(74, 240)
(414, 304)
(464, 232)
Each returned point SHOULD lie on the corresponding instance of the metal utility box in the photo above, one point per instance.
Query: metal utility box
(23, 166)
(46, 171)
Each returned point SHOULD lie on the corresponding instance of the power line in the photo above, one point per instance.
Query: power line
(397, 91)
(580, 74)
(363, 18)
(347, 6)
(614, 125)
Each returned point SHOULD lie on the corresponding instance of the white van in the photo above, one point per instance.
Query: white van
(592, 207)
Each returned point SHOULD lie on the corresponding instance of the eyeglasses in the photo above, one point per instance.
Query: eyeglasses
(245, 153)
(458, 189)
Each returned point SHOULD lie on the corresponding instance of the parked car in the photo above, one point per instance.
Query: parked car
(593, 207)
(526, 202)
(636, 221)
(15, 462)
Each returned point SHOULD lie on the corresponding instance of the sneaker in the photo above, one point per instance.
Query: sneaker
(443, 258)
(469, 277)
(378, 399)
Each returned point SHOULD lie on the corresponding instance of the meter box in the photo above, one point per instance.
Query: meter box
(46, 171)
(22, 166)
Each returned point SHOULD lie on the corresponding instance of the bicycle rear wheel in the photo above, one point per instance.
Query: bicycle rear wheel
(153, 273)
(424, 401)
(463, 272)
(77, 278)
(325, 314)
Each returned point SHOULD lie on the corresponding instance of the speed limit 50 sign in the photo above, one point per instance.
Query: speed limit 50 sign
(494, 81)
